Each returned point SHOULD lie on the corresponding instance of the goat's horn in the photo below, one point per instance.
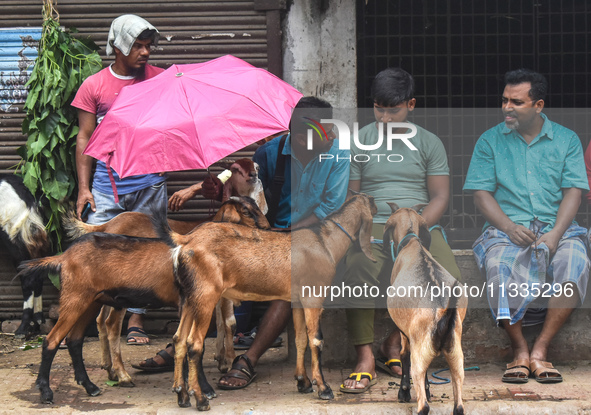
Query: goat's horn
(353, 192)
(393, 206)
(417, 208)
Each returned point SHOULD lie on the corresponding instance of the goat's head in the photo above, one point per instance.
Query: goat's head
(364, 206)
(404, 221)
(242, 210)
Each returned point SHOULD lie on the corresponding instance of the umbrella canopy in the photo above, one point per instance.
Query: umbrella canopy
(191, 116)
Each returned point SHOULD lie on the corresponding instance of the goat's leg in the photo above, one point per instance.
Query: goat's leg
(421, 358)
(316, 344)
(69, 315)
(101, 326)
(75, 342)
(455, 360)
(404, 391)
(226, 328)
(180, 353)
(113, 324)
(197, 374)
(301, 340)
(195, 343)
(32, 308)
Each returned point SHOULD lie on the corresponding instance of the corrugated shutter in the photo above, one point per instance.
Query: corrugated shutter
(191, 31)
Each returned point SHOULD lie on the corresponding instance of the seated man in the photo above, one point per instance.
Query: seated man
(421, 178)
(527, 175)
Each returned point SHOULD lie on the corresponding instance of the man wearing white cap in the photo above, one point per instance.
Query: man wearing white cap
(131, 39)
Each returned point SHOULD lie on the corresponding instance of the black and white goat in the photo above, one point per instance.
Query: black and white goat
(23, 233)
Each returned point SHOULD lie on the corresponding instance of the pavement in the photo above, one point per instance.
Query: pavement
(274, 391)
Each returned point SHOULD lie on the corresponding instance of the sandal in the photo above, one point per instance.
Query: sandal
(544, 372)
(388, 365)
(243, 341)
(358, 377)
(150, 365)
(244, 373)
(517, 372)
(134, 333)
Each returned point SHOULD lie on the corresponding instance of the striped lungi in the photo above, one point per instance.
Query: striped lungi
(516, 276)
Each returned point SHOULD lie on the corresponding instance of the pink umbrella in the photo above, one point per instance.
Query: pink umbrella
(191, 116)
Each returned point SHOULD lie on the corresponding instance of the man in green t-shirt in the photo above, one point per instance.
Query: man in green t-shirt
(406, 177)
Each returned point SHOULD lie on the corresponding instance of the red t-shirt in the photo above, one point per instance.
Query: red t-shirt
(98, 92)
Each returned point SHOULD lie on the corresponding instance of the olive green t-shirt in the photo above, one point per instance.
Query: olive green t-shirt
(398, 175)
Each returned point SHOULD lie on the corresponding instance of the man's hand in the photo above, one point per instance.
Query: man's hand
(84, 197)
(520, 235)
(212, 188)
(551, 239)
(178, 199)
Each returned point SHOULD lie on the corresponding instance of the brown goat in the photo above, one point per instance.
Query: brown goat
(245, 182)
(118, 271)
(240, 264)
(428, 325)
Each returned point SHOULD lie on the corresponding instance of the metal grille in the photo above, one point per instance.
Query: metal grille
(458, 53)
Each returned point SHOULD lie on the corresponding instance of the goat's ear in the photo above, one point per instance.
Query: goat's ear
(425, 236)
(419, 207)
(365, 235)
(393, 206)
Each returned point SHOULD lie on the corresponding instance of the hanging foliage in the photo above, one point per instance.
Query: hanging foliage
(50, 123)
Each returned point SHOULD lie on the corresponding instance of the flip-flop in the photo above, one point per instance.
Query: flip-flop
(150, 364)
(387, 365)
(136, 332)
(544, 372)
(244, 373)
(517, 371)
(357, 377)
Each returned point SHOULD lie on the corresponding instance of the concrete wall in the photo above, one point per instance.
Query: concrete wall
(320, 50)
(482, 340)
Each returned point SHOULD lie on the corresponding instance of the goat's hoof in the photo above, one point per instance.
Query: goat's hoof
(424, 410)
(209, 394)
(403, 395)
(203, 405)
(183, 400)
(305, 386)
(91, 389)
(126, 384)
(459, 410)
(47, 396)
(326, 394)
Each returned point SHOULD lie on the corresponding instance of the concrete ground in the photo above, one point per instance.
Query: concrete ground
(274, 391)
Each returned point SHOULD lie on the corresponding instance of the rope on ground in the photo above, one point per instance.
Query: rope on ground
(447, 380)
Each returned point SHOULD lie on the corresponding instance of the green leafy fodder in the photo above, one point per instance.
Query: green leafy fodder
(50, 124)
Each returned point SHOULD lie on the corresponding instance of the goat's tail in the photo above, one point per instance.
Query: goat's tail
(163, 230)
(74, 227)
(446, 324)
(33, 272)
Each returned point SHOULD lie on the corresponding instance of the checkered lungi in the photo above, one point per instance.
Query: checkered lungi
(507, 266)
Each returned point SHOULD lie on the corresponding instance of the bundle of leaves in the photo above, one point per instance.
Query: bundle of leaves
(63, 63)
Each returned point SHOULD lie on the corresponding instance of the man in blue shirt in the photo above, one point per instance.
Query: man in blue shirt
(527, 175)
